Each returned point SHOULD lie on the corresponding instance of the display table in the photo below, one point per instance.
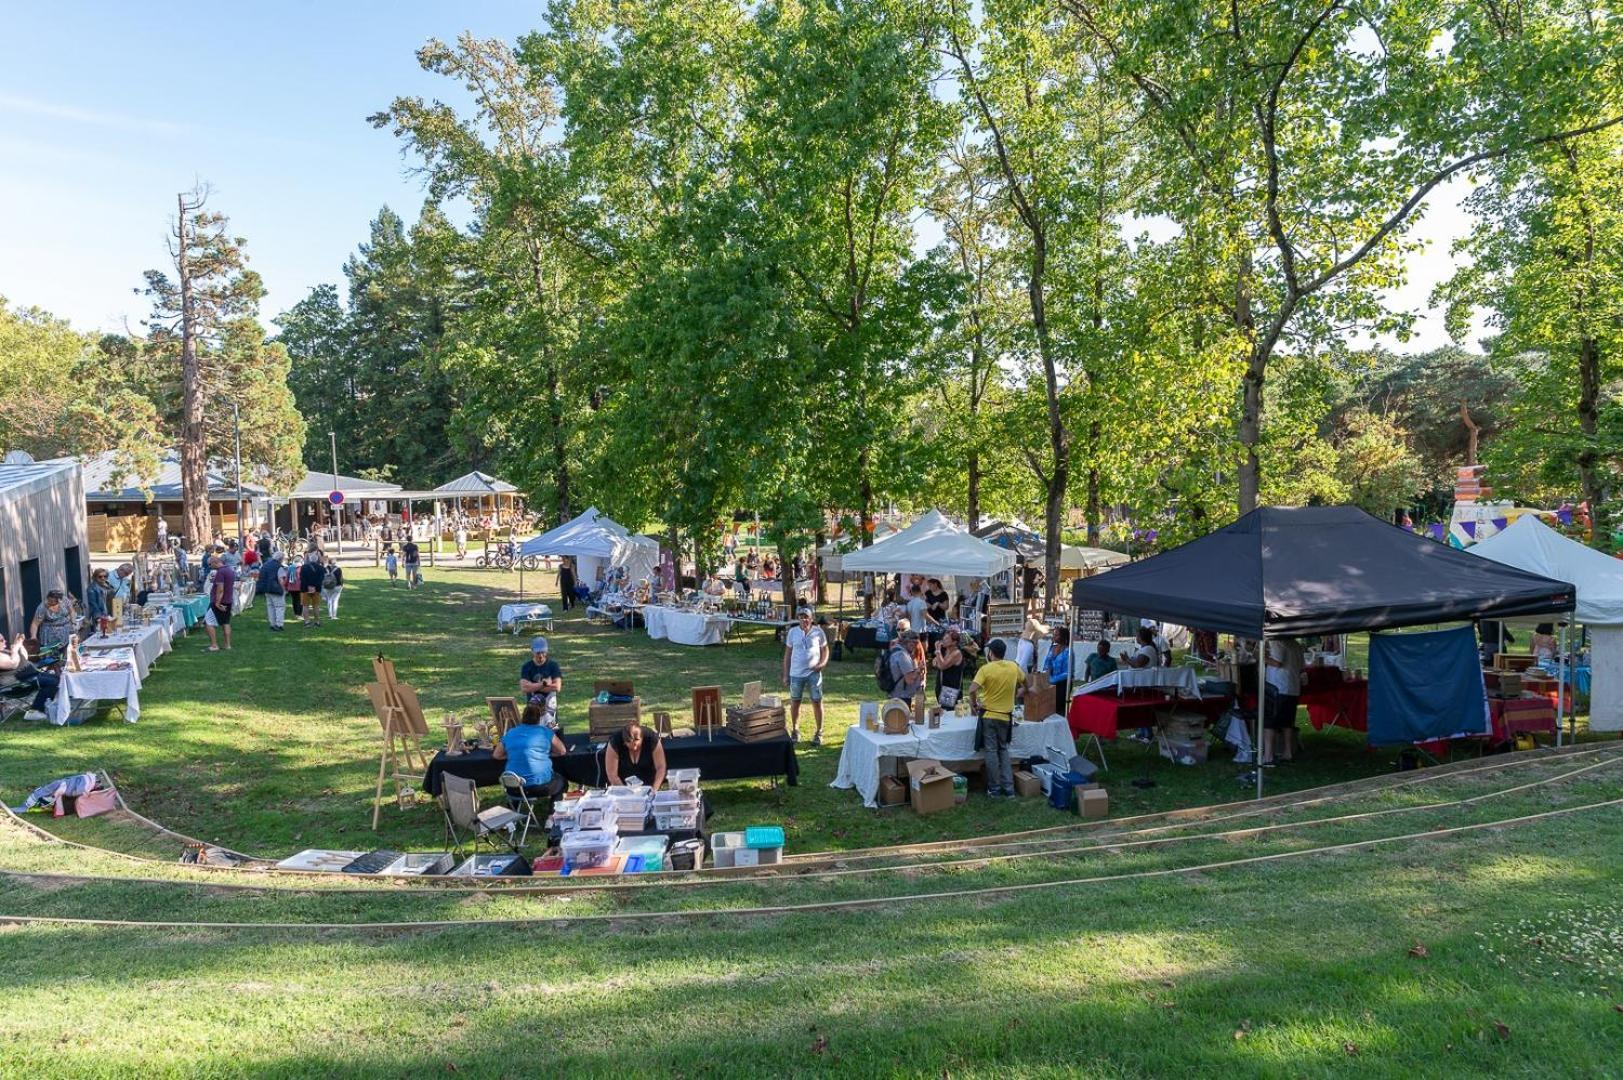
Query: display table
(724, 758)
(109, 676)
(1105, 713)
(684, 627)
(954, 740)
(191, 606)
(1509, 717)
(513, 616)
(147, 643)
(1179, 680)
(859, 636)
(1333, 699)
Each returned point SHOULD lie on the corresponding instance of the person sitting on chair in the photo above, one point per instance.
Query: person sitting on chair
(1101, 663)
(529, 748)
(540, 675)
(635, 750)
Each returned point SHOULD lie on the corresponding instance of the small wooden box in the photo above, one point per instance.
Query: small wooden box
(757, 724)
(605, 720)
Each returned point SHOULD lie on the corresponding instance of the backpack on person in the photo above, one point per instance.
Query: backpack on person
(885, 672)
(329, 580)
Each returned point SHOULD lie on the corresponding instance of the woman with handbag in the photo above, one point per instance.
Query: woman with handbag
(949, 670)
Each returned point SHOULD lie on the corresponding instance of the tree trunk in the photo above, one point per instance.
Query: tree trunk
(194, 487)
(1059, 440)
(866, 510)
(1589, 425)
(817, 567)
(974, 509)
(555, 417)
(1093, 484)
(1251, 403)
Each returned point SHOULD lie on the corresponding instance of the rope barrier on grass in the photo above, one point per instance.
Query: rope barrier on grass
(839, 860)
(795, 909)
(557, 890)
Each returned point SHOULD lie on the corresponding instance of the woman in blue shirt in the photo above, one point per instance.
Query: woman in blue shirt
(1058, 664)
(529, 749)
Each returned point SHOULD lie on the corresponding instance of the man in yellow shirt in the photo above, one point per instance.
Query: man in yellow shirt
(992, 693)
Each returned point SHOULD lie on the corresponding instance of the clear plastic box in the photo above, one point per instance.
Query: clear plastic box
(675, 819)
(650, 848)
(586, 848)
(725, 846)
(684, 780)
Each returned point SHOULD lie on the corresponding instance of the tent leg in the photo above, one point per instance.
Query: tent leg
(1262, 681)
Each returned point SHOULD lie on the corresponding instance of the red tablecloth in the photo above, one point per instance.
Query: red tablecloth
(1105, 713)
(1514, 716)
(1344, 703)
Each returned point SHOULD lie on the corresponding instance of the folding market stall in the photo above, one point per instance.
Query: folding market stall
(1531, 545)
(1288, 571)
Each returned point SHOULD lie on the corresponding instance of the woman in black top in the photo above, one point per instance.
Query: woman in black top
(949, 668)
(635, 750)
(936, 600)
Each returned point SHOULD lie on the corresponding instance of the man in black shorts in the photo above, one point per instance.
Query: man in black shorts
(1280, 697)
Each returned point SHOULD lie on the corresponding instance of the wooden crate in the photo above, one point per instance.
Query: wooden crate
(604, 720)
(754, 725)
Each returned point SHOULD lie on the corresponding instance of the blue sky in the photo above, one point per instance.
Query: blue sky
(108, 109)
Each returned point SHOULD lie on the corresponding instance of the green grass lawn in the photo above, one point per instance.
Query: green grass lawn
(273, 747)
(1488, 952)
(1306, 965)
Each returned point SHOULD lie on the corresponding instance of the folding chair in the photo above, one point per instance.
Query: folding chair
(460, 801)
(533, 810)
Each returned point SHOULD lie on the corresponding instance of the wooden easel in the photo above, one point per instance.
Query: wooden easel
(503, 713)
(707, 710)
(400, 715)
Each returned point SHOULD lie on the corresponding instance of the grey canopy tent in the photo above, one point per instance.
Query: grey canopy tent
(1288, 571)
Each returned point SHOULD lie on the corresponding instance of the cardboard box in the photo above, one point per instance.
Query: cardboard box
(930, 786)
(892, 792)
(1026, 784)
(1093, 802)
(1038, 699)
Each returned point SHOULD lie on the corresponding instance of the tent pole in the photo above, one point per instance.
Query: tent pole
(1561, 686)
(1262, 681)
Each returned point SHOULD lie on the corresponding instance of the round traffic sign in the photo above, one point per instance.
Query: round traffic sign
(336, 498)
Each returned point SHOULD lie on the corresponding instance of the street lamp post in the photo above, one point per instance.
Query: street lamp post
(338, 511)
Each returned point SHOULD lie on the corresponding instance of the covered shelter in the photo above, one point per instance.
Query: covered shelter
(309, 503)
(1531, 545)
(1076, 561)
(122, 507)
(486, 492)
(1290, 571)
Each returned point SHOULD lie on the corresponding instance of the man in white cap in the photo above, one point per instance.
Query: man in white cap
(540, 679)
(805, 654)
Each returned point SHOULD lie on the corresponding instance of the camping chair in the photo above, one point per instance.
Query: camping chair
(460, 800)
(534, 809)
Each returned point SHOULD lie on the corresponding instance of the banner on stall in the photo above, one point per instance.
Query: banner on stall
(1425, 686)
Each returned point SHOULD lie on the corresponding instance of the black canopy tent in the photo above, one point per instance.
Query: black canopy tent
(1289, 571)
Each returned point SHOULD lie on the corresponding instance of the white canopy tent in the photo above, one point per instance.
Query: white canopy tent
(932, 546)
(596, 541)
(1531, 545)
(1072, 557)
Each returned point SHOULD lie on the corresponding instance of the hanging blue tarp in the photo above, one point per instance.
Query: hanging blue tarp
(1425, 686)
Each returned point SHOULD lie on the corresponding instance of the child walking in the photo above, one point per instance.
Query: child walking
(391, 563)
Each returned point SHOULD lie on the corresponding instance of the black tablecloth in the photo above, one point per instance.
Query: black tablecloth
(726, 758)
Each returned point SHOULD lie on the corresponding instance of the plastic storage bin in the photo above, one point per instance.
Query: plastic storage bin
(763, 836)
(586, 848)
(651, 849)
(676, 820)
(725, 846)
(424, 864)
(684, 780)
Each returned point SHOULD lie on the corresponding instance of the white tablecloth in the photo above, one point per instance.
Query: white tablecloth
(172, 618)
(148, 643)
(244, 598)
(99, 683)
(684, 627)
(1181, 680)
(954, 740)
(512, 615)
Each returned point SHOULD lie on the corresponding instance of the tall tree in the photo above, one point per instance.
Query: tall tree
(194, 313)
(1546, 261)
(1311, 132)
